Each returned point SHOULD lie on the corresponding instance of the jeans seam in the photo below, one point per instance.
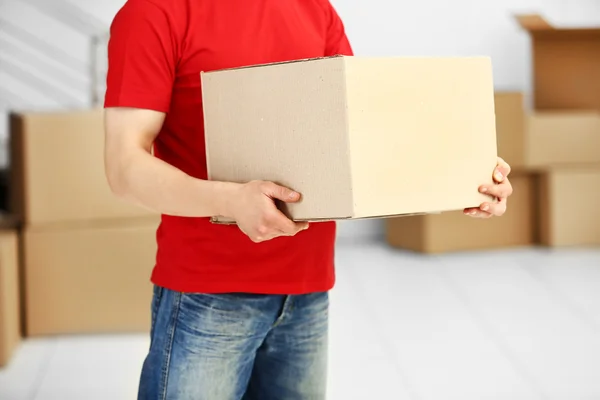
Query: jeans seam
(284, 311)
(157, 297)
(169, 346)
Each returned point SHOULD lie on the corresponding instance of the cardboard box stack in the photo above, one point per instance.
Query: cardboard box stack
(87, 255)
(553, 150)
(359, 137)
(564, 131)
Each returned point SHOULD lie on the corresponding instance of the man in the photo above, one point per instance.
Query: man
(238, 312)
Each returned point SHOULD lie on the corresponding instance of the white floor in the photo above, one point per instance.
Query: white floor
(520, 324)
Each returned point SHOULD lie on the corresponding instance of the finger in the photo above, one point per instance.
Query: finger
(502, 170)
(300, 226)
(281, 223)
(282, 193)
(477, 213)
(502, 190)
(497, 209)
(505, 166)
(296, 227)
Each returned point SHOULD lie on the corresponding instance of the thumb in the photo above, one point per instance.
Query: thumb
(502, 170)
(282, 193)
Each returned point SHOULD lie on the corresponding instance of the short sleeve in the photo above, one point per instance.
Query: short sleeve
(142, 58)
(337, 41)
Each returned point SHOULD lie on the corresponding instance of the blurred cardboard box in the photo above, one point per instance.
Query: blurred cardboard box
(57, 168)
(10, 300)
(566, 72)
(545, 138)
(89, 278)
(568, 203)
(510, 127)
(358, 137)
(450, 232)
(562, 137)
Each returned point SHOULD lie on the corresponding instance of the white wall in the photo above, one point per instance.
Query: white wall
(375, 27)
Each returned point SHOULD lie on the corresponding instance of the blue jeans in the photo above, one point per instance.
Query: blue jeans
(236, 347)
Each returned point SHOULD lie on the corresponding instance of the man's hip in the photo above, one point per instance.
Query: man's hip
(236, 347)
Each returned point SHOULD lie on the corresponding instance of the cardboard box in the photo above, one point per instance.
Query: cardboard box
(57, 167)
(358, 137)
(568, 204)
(89, 279)
(450, 232)
(536, 140)
(10, 301)
(565, 65)
(557, 138)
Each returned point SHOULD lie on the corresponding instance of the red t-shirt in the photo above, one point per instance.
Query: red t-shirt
(156, 52)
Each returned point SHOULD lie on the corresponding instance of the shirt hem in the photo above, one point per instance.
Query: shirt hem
(274, 288)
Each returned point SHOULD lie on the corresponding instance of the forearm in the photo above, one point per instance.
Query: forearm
(158, 186)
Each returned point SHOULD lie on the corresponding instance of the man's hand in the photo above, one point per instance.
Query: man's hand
(256, 214)
(501, 191)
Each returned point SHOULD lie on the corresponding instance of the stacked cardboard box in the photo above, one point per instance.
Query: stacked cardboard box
(10, 299)
(553, 150)
(564, 131)
(87, 256)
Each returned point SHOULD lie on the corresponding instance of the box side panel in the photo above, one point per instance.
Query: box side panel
(510, 127)
(10, 304)
(61, 170)
(562, 137)
(573, 216)
(69, 270)
(409, 233)
(453, 231)
(422, 133)
(566, 71)
(284, 123)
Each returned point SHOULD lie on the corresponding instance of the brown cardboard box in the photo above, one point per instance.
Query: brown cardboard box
(358, 137)
(57, 168)
(562, 137)
(565, 65)
(568, 204)
(89, 279)
(454, 231)
(544, 138)
(10, 310)
(510, 127)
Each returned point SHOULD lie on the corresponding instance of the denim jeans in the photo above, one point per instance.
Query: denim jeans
(236, 347)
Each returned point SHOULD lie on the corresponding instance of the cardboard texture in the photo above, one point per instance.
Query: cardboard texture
(562, 137)
(92, 279)
(453, 231)
(57, 164)
(565, 65)
(10, 301)
(568, 206)
(358, 137)
(510, 128)
(541, 139)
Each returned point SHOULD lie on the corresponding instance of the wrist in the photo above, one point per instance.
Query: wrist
(225, 196)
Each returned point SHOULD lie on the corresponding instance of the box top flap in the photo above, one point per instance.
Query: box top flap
(535, 23)
(271, 64)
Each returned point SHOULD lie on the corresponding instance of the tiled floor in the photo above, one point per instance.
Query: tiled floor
(510, 325)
